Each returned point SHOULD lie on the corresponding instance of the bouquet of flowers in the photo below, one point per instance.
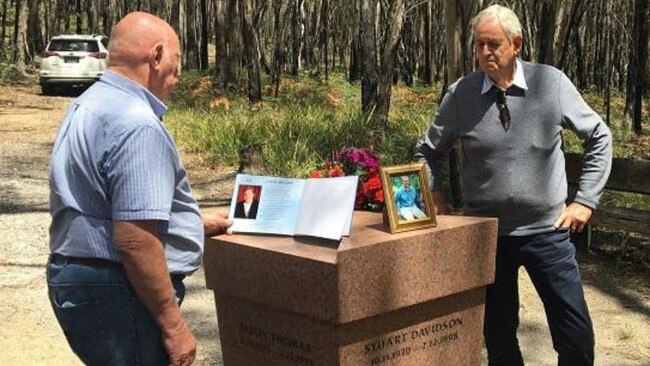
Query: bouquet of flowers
(363, 163)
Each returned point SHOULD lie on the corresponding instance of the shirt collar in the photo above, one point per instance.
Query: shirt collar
(519, 80)
(118, 80)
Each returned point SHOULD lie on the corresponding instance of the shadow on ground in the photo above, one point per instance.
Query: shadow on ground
(619, 280)
(12, 201)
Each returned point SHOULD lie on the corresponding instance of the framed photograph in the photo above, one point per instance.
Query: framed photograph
(409, 205)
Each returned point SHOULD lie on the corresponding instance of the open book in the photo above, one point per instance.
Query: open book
(320, 207)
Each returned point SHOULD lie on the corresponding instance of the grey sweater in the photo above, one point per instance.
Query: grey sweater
(518, 175)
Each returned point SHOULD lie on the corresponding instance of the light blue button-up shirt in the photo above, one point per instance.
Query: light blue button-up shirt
(405, 197)
(114, 160)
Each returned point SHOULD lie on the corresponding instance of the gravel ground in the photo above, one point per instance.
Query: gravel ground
(618, 296)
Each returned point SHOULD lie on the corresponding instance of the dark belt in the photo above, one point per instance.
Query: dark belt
(90, 262)
(99, 263)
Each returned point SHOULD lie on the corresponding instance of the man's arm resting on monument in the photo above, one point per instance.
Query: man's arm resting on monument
(143, 257)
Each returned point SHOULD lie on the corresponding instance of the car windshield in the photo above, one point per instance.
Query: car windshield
(73, 45)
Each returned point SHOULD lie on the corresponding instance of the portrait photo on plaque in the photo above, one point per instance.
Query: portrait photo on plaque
(409, 205)
(248, 201)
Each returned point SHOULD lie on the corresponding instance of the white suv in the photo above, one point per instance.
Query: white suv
(73, 60)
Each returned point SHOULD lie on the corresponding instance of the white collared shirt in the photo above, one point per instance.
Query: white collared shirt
(519, 80)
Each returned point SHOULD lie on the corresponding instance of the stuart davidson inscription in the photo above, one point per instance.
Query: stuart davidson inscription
(410, 341)
(377, 351)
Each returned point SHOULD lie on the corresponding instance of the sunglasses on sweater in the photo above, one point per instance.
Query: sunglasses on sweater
(504, 113)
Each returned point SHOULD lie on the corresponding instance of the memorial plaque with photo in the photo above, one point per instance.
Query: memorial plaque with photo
(375, 299)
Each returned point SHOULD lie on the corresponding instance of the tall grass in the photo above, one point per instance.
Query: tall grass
(297, 130)
(309, 120)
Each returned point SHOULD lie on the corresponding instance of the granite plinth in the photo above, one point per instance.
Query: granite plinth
(413, 298)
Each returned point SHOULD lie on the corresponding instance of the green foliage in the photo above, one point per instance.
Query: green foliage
(309, 120)
(626, 144)
(296, 131)
(626, 199)
(10, 75)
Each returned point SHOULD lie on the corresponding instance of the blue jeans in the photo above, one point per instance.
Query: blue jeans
(549, 259)
(103, 319)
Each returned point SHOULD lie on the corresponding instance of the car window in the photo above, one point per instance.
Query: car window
(105, 42)
(73, 45)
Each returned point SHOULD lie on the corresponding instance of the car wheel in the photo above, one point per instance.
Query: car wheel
(47, 89)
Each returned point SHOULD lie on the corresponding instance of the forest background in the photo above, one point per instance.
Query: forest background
(293, 81)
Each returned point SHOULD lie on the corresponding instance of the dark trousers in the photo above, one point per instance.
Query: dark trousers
(549, 259)
(102, 317)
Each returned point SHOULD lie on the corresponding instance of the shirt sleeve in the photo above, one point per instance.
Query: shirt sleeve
(141, 176)
(439, 139)
(597, 142)
(398, 198)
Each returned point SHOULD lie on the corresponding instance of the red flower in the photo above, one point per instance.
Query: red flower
(373, 182)
(316, 174)
(336, 172)
(361, 162)
(379, 196)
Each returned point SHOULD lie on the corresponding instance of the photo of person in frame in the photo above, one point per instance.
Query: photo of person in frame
(408, 198)
(247, 202)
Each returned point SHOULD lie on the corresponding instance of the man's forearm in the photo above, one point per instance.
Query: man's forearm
(143, 258)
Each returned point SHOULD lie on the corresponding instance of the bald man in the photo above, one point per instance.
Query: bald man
(125, 228)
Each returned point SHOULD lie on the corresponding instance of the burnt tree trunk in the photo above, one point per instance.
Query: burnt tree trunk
(324, 36)
(204, 38)
(452, 23)
(279, 53)
(368, 56)
(91, 15)
(428, 63)
(3, 32)
(78, 13)
(252, 54)
(391, 42)
(354, 72)
(223, 72)
(21, 35)
(638, 58)
(191, 46)
(297, 35)
(35, 41)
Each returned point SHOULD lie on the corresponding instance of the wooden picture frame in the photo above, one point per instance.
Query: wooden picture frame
(398, 216)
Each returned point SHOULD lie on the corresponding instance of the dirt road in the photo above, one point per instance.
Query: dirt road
(619, 299)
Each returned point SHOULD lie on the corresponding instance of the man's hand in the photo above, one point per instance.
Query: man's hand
(215, 223)
(574, 217)
(180, 345)
(143, 257)
(439, 203)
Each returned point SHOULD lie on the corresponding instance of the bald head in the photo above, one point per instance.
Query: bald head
(146, 49)
(134, 36)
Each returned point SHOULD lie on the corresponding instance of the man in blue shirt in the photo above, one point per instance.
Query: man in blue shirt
(406, 201)
(125, 228)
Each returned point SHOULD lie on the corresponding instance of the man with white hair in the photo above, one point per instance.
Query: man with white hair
(406, 201)
(508, 119)
(125, 228)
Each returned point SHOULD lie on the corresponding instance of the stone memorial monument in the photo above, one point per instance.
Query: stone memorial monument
(413, 298)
